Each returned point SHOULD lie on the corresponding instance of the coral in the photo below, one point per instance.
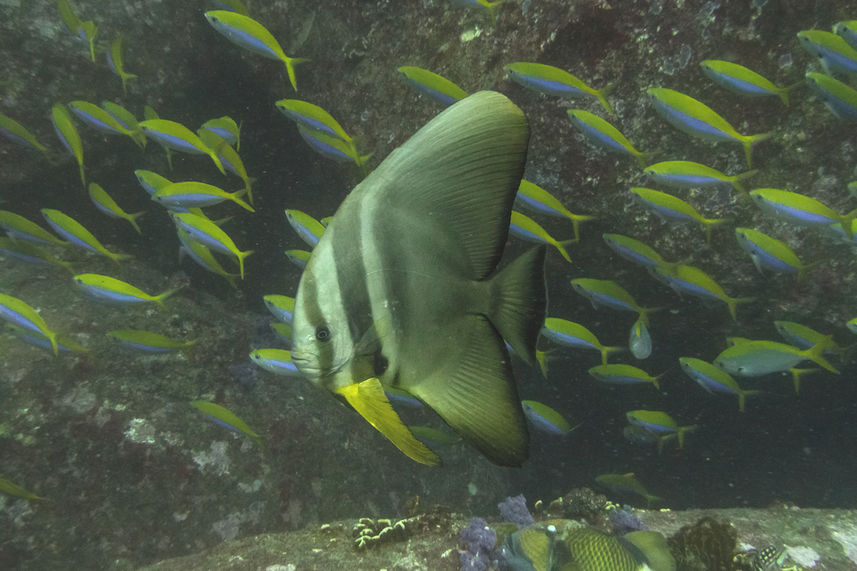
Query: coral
(706, 545)
(369, 532)
(623, 520)
(479, 542)
(514, 510)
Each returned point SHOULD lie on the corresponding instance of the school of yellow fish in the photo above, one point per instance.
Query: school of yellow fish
(209, 245)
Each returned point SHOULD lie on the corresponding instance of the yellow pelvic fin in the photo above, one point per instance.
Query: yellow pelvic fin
(369, 400)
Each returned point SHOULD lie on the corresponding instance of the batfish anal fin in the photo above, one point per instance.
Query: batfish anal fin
(369, 400)
(478, 397)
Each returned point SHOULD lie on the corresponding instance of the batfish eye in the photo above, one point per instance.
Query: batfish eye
(322, 333)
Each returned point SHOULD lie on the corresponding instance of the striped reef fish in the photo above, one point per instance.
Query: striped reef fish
(97, 118)
(148, 341)
(525, 228)
(847, 30)
(229, 157)
(743, 81)
(18, 134)
(610, 294)
(19, 228)
(432, 85)
(68, 136)
(598, 131)
(770, 254)
(660, 423)
(225, 418)
(42, 341)
(409, 254)
(312, 116)
(249, 34)
(536, 198)
(690, 280)
(179, 138)
(148, 114)
(282, 307)
(688, 174)
(554, 81)
(699, 120)
(203, 230)
(298, 257)
(758, 357)
(713, 379)
(673, 209)
(116, 63)
(308, 228)
(545, 419)
(634, 251)
(19, 313)
(151, 181)
(112, 290)
(800, 209)
(193, 194)
(74, 232)
(277, 361)
(570, 334)
(620, 374)
(836, 55)
(203, 256)
(30, 253)
(127, 120)
(105, 203)
(839, 98)
(804, 337)
(224, 127)
(331, 146)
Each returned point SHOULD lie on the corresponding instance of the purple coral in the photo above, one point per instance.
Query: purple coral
(479, 542)
(514, 510)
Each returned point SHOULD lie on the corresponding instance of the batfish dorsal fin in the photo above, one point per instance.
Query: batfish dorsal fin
(477, 396)
(462, 171)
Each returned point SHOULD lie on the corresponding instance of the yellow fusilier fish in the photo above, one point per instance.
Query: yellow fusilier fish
(148, 341)
(714, 380)
(800, 209)
(528, 229)
(281, 307)
(699, 120)
(688, 174)
(570, 334)
(251, 35)
(116, 64)
(19, 134)
(127, 120)
(193, 194)
(40, 340)
(620, 374)
(610, 294)
(332, 147)
(74, 232)
(226, 418)
(19, 313)
(836, 55)
(19, 228)
(13, 489)
(546, 419)
(230, 159)
(625, 485)
(203, 230)
(68, 136)
(299, 258)
(105, 203)
(634, 250)
(600, 132)
(672, 208)
(744, 81)
(804, 337)
(538, 199)
(112, 290)
(554, 81)
(202, 255)
(486, 5)
(30, 253)
(432, 85)
(177, 137)
(314, 117)
(690, 280)
(224, 127)
(149, 114)
(771, 254)
(98, 118)
(277, 361)
(371, 313)
(308, 228)
(659, 423)
(86, 31)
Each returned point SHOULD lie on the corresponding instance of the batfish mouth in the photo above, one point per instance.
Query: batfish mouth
(307, 365)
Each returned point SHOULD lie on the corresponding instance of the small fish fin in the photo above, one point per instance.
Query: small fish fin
(159, 299)
(132, 218)
(682, 430)
(797, 374)
(561, 247)
(370, 402)
(710, 223)
(608, 350)
(518, 301)
(291, 62)
(785, 91)
(846, 221)
(739, 178)
(815, 354)
(542, 360)
(119, 257)
(464, 168)
(748, 143)
(236, 198)
(476, 395)
(645, 159)
(601, 94)
(732, 304)
(742, 395)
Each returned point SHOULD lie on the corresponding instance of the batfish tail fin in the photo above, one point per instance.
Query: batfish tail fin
(476, 396)
(518, 302)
